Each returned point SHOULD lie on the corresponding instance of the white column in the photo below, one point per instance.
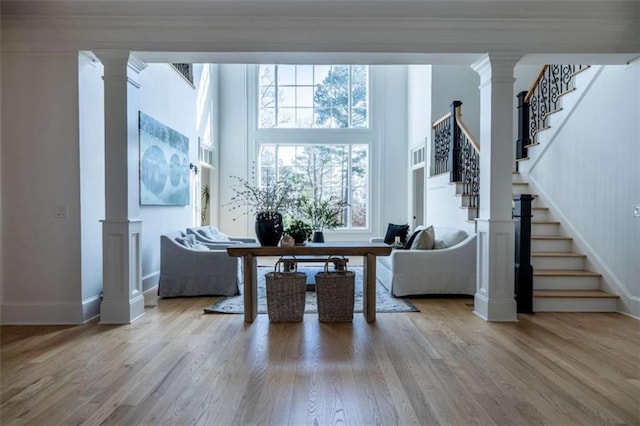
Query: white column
(495, 298)
(122, 301)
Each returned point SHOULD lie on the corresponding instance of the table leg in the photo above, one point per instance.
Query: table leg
(250, 288)
(369, 290)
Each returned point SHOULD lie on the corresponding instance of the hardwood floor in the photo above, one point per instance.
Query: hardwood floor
(441, 366)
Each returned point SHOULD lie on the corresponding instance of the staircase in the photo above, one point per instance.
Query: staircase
(561, 282)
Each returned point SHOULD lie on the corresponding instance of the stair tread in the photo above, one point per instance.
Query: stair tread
(564, 273)
(520, 183)
(574, 293)
(532, 145)
(546, 222)
(539, 208)
(556, 254)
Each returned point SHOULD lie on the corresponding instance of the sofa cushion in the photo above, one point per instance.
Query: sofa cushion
(413, 236)
(448, 237)
(394, 231)
(425, 240)
(212, 233)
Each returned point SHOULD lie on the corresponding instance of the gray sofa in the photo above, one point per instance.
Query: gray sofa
(191, 268)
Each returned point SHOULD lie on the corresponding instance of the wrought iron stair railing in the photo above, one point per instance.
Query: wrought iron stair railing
(457, 152)
(541, 100)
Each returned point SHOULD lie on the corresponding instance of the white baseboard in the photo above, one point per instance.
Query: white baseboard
(41, 313)
(91, 308)
(150, 281)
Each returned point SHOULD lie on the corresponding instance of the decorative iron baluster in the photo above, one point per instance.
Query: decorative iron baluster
(544, 96)
(468, 165)
(442, 133)
(455, 151)
(186, 70)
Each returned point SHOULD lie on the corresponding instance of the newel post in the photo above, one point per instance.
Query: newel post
(524, 138)
(455, 174)
(523, 268)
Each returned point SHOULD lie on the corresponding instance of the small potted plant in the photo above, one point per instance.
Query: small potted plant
(300, 231)
(323, 214)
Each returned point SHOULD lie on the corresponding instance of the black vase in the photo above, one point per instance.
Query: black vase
(269, 228)
(318, 237)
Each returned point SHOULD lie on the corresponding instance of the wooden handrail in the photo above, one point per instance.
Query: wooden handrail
(535, 83)
(466, 131)
(441, 119)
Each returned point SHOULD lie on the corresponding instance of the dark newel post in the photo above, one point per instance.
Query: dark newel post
(455, 174)
(523, 268)
(523, 126)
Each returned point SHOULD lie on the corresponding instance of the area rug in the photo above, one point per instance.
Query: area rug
(385, 302)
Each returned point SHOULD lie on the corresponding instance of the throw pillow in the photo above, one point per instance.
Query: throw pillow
(413, 236)
(181, 241)
(200, 246)
(424, 240)
(206, 232)
(217, 235)
(394, 231)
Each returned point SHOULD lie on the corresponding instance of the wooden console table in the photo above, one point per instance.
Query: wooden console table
(369, 251)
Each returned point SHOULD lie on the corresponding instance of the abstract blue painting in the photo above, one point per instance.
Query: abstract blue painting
(164, 164)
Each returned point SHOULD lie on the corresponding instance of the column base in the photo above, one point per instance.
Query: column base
(121, 311)
(495, 294)
(123, 300)
(495, 310)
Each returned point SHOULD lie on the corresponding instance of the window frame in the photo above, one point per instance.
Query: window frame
(318, 136)
(350, 106)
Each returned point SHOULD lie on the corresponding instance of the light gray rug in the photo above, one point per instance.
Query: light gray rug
(385, 302)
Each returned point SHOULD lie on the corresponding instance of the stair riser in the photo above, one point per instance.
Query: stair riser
(540, 214)
(520, 189)
(465, 200)
(471, 214)
(551, 245)
(545, 228)
(566, 283)
(566, 304)
(568, 263)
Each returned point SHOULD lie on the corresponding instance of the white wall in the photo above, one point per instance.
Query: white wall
(456, 83)
(234, 149)
(168, 98)
(40, 172)
(392, 147)
(418, 133)
(92, 177)
(589, 174)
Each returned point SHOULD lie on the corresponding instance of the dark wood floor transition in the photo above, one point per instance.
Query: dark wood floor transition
(441, 366)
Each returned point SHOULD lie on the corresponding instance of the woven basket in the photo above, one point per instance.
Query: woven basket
(286, 292)
(335, 293)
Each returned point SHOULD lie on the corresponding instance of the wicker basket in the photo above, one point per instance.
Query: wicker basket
(286, 292)
(335, 293)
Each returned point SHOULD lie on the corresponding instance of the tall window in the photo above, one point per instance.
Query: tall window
(337, 172)
(313, 96)
(313, 129)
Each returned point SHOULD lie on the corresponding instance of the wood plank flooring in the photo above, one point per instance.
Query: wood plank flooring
(441, 366)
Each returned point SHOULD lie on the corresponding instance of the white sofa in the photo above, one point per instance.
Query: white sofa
(450, 270)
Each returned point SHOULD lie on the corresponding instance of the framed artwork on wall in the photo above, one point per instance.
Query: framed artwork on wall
(164, 164)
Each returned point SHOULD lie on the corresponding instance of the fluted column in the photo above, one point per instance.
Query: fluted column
(123, 301)
(495, 296)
